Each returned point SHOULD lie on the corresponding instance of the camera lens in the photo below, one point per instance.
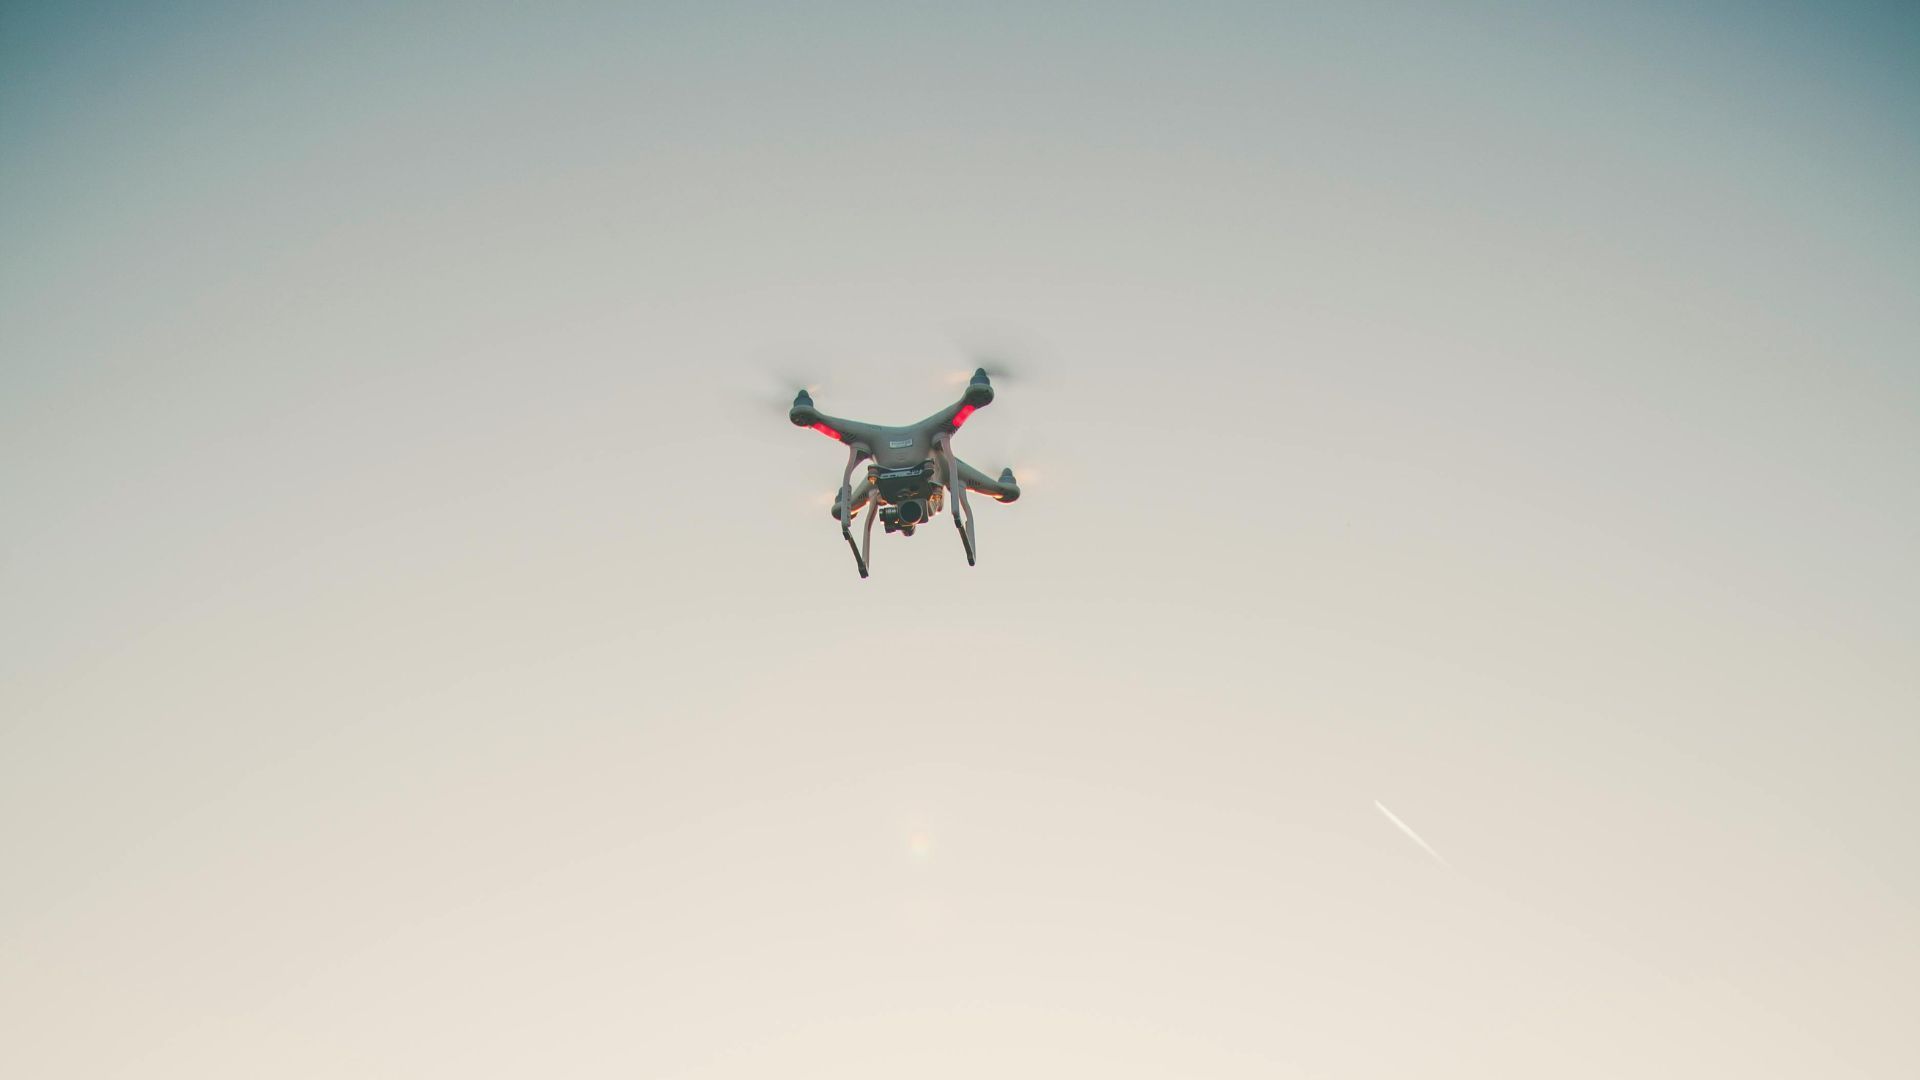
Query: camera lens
(911, 512)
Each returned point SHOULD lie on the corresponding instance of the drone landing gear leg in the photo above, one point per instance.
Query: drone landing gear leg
(966, 530)
(846, 512)
(866, 536)
(858, 559)
(960, 505)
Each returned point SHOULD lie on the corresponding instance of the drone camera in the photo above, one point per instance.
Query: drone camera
(905, 496)
(903, 516)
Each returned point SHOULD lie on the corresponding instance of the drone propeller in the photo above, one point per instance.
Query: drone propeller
(1004, 364)
(772, 390)
(1000, 372)
(1016, 454)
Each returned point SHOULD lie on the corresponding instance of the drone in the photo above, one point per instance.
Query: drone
(913, 470)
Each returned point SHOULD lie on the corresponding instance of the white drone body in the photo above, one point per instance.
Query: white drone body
(913, 470)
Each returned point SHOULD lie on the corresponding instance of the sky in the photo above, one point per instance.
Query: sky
(1460, 621)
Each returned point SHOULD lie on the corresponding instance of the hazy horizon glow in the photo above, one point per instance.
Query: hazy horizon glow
(423, 652)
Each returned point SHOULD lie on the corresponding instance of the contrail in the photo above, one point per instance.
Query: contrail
(1411, 835)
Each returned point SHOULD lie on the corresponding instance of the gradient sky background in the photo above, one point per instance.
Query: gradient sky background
(421, 656)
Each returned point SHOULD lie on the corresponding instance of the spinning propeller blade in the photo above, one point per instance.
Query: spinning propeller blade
(771, 389)
(1006, 365)
(991, 451)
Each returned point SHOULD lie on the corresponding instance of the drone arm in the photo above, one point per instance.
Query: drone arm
(851, 432)
(978, 396)
(1006, 489)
